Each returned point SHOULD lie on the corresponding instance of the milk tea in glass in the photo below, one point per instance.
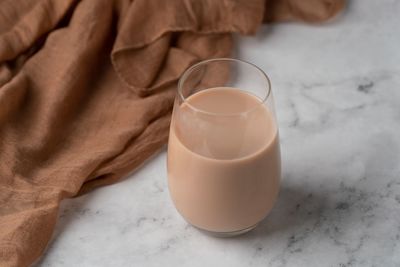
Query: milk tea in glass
(223, 152)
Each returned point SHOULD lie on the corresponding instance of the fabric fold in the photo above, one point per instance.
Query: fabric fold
(200, 17)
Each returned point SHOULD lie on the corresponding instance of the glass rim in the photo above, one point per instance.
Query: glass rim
(188, 71)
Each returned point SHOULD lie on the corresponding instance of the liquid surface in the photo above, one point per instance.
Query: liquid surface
(223, 160)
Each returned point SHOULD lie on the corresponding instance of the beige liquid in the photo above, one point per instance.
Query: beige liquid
(224, 165)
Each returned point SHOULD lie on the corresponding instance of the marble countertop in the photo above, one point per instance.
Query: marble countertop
(337, 92)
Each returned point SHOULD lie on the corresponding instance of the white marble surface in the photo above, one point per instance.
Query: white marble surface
(337, 90)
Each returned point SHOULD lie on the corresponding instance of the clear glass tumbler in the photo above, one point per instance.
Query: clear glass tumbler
(223, 152)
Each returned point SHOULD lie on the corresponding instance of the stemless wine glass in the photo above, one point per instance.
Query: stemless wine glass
(223, 151)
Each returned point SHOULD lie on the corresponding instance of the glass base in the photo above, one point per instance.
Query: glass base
(226, 234)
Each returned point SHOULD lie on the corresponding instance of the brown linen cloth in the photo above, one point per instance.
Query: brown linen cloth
(86, 90)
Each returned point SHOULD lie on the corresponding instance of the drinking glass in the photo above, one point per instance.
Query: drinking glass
(223, 152)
